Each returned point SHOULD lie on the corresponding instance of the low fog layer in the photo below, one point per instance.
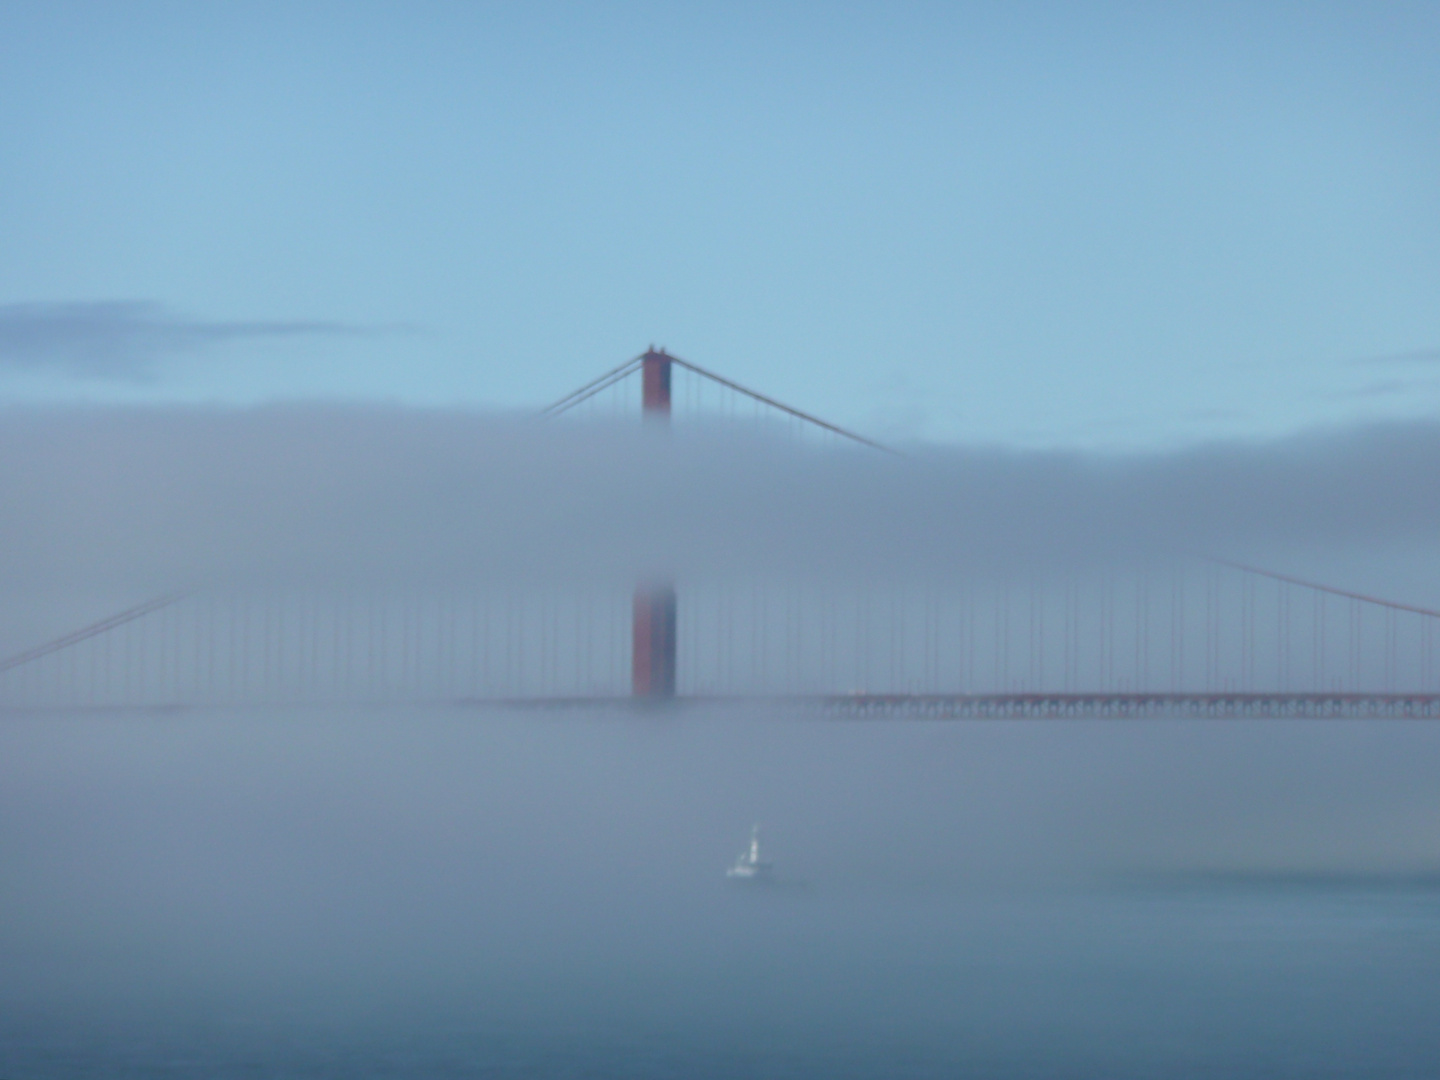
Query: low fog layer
(103, 508)
(389, 854)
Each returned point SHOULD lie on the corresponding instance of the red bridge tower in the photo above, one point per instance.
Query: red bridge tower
(652, 669)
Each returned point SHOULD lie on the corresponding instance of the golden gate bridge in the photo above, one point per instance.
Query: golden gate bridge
(1199, 638)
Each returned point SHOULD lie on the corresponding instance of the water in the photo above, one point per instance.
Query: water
(433, 895)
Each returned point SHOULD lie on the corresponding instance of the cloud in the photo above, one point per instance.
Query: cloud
(1381, 388)
(1413, 356)
(123, 340)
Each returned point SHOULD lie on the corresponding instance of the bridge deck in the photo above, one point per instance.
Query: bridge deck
(1039, 706)
(1202, 705)
(1334, 705)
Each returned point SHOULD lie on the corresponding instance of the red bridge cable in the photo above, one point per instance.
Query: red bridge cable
(594, 386)
(782, 406)
(94, 629)
(1328, 589)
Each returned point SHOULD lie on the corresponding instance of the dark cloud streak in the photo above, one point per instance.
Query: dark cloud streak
(1414, 356)
(124, 340)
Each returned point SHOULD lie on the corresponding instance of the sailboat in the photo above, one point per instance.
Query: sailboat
(749, 866)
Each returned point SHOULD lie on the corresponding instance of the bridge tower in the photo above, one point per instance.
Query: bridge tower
(655, 382)
(652, 669)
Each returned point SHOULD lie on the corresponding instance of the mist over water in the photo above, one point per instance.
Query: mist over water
(469, 892)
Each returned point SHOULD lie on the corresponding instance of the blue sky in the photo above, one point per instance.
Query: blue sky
(1098, 226)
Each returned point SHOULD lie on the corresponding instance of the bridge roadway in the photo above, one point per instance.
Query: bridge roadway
(1333, 705)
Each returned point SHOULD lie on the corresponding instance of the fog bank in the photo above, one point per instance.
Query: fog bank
(380, 853)
(126, 503)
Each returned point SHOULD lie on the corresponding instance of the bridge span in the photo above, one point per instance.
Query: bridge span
(1209, 639)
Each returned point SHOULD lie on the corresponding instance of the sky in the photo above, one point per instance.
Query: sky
(1103, 226)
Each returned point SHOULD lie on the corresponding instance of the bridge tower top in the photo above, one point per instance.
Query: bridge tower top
(655, 376)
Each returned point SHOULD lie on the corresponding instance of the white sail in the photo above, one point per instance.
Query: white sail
(750, 865)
